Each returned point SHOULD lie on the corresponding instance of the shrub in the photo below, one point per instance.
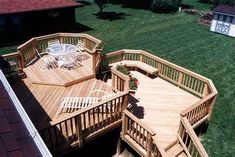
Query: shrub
(165, 6)
(146, 4)
(122, 69)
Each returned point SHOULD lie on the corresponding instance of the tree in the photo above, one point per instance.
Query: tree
(101, 4)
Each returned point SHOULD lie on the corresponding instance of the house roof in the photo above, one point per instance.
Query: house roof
(14, 136)
(19, 6)
(224, 9)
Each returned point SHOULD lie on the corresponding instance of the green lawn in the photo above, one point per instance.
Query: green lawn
(180, 39)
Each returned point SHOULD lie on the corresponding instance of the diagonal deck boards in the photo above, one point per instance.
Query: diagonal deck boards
(41, 102)
(159, 104)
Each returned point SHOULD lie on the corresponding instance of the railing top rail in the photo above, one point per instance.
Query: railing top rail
(177, 67)
(57, 121)
(184, 112)
(11, 54)
(58, 35)
(193, 137)
(130, 115)
(121, 75)
(114, 53)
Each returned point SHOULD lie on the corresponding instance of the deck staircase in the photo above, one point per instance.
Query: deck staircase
(176, 151)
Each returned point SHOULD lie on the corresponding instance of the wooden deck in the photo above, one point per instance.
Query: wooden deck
(41, 102)
(158, 104)
(58, 76)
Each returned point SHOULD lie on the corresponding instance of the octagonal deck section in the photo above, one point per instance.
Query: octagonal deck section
(158, 104)
(59, 76)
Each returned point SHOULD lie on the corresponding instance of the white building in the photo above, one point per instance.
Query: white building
(224, 20)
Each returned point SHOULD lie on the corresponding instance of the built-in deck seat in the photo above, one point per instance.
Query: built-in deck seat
(138, 65)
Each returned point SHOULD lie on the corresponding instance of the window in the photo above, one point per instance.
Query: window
(224, 18)
(233, 20)
(215, 17)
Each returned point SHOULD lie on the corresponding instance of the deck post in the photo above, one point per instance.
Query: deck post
(211, 107)
(79, 130)
(119, 147)
(180, 79)
(149, 144)
(124, 125)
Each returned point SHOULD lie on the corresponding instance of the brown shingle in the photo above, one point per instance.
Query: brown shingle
(16, 6)
(14, 137)
(225, 9)
(5, 127)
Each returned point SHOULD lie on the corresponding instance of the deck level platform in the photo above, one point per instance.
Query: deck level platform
(158, 104)
(41, 102)
(58, 76)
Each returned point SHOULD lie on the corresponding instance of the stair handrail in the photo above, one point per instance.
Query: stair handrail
(184, 124)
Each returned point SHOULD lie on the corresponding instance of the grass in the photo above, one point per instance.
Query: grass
(180, 39)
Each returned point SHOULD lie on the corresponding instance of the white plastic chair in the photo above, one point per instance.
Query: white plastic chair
(80, 46)
(71, 104)
(55, 48)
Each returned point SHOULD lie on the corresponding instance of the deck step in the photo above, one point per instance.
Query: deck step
(182, 154)
(175, 150)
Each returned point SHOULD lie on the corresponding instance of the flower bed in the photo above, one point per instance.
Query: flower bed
(133, 84)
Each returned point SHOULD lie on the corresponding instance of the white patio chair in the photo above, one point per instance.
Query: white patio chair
(67, 62)
(80, 46)
(49, 62)
(55, 48)
(71, 104)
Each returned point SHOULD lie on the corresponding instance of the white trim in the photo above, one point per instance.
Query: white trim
(28, 123)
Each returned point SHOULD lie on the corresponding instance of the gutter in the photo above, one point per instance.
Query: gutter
(25, 118)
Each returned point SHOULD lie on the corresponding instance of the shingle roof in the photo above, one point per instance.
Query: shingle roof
(17, 6)
(14, 137)
(225, 9)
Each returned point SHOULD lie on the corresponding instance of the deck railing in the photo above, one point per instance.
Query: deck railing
(84, 124)
(30, 49)
(196, 84)
(189, 140)
(140, 136)
(120, 81)
(188, 80)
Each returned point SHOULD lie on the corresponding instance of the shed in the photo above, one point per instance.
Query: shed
(224, 20)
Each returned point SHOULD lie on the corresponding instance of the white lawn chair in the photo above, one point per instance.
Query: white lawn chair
(49, 62)
(55, 48)
(67, 62)
(71, 104)
(80, 46)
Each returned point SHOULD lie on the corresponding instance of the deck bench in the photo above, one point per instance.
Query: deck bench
(138, 65)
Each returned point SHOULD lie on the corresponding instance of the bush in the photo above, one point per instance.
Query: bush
(146, 4)
(123, 69)
(165, 6)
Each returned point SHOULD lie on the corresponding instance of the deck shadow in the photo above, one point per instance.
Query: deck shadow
(138, 111)
(37, 114)
(11, 38)
(111, 15)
